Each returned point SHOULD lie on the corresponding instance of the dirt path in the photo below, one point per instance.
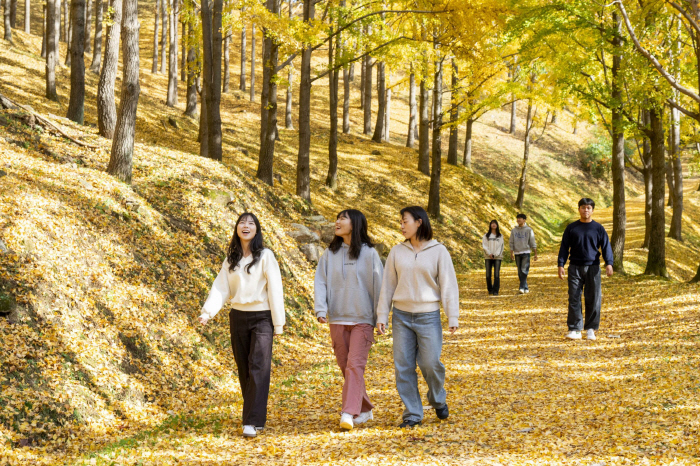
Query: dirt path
(519, 393)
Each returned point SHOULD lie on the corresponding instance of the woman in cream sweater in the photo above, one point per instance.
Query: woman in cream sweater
(418, 276)
(250, 278)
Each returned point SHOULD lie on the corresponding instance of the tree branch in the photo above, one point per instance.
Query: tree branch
(659, 67)
(338, 67)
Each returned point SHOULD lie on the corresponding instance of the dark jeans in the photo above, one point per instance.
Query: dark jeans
(522, 261)
(251, 340)
(494, 264)
(586, 279)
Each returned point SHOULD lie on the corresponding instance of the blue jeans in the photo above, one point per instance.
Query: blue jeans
(522, 261)
(418, 338)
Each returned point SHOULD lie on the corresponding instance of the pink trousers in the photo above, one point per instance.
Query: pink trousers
(351, 344)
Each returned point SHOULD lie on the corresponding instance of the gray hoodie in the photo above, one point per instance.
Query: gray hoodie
(522, 240)
(347, 290)
(419, 282)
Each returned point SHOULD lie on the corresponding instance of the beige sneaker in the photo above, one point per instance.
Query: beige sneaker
(590, 334)
(363, 417)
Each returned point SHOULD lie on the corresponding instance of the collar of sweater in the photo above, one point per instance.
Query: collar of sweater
(430, 244)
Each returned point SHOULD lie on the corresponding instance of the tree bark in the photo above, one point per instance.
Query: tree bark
(452, 155)
(332, 176)
(27, 17)
(97, 48)
(121, 158)
(203, 131)
(183, 44)
(191, 106)
(264, 92)
(387, 115)
(617, 240)
(43, 31)
(171, 99)
(424, 131)
(268, 101)
(434, 190)
(303, 169)
(677, 172)
(288, 102)
(252, 62)
(381, 100)
(76, 104)
(411, 137)
(106, 108)
(513, 116)
(696, 278)
(64, 6)
(227, 48)
(554, 117)
(241, 84)
(154, 68)
(87, 48)
(52, 24)
(368, 98)
(669, 179)
(211, 73)
(467, 161)
(164, 34)
(526, 155)
(69, 56)
(13, 14)
(363, 72)
(656, 261)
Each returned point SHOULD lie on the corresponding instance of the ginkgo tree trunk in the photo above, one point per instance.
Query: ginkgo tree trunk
(436, 169)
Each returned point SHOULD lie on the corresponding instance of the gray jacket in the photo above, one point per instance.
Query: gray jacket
(347, 290)
(522, 240)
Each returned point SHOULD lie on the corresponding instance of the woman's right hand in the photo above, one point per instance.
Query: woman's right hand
(381, 328)
(323, 320)
(203, 320)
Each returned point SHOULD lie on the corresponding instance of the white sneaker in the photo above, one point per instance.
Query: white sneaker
(249, 431)
(363, 417)
(574, 335)
(590, 334)
(521, 291)
(346, 421)
(527, 290)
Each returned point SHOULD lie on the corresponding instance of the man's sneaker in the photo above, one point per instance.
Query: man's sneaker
(443, 413)
(409, 423)
(346, 421)
(574, 335)
(249, 431)
(590, 334)
(363, 417)
(521, 291)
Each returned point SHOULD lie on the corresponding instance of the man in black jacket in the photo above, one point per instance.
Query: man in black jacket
(582, 244)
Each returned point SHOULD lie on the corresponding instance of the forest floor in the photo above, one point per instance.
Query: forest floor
(106, 364)
(518, 391)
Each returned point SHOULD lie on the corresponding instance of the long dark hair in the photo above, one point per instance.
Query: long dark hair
(425, 231)
(358, 237)
(235, 250)
(498, 229)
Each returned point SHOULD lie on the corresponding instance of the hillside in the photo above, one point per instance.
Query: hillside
(104, 281)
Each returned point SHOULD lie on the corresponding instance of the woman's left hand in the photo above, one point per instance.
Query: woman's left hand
(452, 330)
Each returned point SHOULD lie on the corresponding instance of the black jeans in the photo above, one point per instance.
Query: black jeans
(522, 261)
(251, 340)
(494, 264)
(586, 279)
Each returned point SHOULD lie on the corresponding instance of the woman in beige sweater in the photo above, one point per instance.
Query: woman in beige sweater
(418, 276)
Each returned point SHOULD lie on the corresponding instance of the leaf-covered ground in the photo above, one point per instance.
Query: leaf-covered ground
(102, 361)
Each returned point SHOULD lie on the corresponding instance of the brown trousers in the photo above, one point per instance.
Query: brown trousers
(351, 344)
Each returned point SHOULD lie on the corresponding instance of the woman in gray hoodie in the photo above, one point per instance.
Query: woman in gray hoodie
(346, 288)
(419, 276)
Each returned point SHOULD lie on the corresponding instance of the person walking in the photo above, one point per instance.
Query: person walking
(493, 251)
(418, 276)
(250, 278)
(583, 243)
(522, 244)
(346, 289)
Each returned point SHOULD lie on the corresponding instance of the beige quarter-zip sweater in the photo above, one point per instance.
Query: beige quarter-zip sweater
(419, 282)
(259, 290)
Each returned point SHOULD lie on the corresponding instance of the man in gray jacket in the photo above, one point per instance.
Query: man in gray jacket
(522, 244)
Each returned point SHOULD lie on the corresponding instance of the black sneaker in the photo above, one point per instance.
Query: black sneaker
(495, 294)
(409, 423)
(442, 413)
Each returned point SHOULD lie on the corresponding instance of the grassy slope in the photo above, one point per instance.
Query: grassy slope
(108, 296)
